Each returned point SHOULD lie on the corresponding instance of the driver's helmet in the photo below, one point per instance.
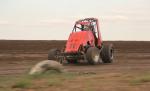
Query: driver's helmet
(85, 26)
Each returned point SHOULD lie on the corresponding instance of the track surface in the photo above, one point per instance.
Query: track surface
(17, 57)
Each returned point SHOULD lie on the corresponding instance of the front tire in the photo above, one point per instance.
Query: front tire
(52, 54)
(92, 55)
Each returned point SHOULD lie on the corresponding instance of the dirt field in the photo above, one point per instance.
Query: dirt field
(130, 70)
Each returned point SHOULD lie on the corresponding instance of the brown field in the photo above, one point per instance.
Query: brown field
(130, 70)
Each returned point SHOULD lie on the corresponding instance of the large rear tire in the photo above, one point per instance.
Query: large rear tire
(107, 53)
(53, 53)
(92, 55)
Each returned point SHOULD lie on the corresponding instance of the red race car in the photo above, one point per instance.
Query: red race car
(84, 43)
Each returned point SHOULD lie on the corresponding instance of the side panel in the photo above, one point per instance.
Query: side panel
(78, 38)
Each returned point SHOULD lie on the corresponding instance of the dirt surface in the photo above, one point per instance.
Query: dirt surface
(131, 59)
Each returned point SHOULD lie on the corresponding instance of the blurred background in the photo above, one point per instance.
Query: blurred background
(54, 19)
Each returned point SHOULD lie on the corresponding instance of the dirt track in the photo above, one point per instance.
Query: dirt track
(132, 60)
(17, 57)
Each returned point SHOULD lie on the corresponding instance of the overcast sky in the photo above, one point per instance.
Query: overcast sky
(54, 19)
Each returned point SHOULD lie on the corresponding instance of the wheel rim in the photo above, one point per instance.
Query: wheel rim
(96, 58)
(111, 54)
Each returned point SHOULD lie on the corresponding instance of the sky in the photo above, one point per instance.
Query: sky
(54, 19)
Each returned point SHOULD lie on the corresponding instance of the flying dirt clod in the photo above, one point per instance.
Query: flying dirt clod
(46, 65)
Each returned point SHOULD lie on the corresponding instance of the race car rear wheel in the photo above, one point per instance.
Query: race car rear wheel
(107, 53)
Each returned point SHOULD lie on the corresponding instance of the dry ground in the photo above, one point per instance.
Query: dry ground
(130, 70)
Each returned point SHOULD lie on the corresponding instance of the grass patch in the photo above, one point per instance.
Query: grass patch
(140, 80)
(89, 89)
(50, 78)
(55, 82)
(22, 84)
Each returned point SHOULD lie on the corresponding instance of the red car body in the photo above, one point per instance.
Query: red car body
(84, 43)
(78, 38)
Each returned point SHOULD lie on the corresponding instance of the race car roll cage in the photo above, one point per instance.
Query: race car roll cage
(92, 24)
